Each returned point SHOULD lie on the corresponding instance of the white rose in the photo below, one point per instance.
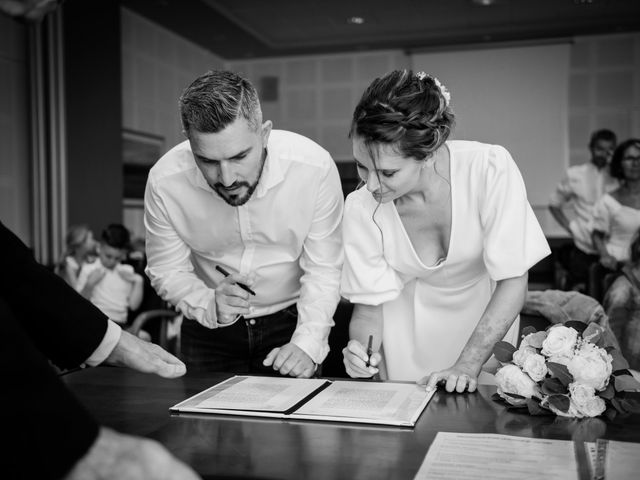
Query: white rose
(534, 339)
(520, 355)
(535, 366)
(591, 366)
(585, 399)
(510, 379)
(560, 342)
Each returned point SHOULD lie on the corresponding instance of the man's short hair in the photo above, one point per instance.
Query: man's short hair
(216, 99)
(602, 134)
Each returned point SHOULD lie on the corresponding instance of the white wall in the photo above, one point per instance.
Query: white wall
(317, 94)
(157, 65)
(516, 97)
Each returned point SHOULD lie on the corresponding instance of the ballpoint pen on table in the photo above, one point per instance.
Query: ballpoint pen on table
(241, 285)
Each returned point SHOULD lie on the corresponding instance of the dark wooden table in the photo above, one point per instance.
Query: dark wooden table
(237, 447)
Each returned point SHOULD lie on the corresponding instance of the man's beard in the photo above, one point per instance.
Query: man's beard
(236, 200)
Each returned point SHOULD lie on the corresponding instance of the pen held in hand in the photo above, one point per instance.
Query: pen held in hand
(241, 285)
(369, 350)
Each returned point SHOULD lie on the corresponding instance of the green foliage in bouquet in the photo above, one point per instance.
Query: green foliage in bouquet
(571, 370)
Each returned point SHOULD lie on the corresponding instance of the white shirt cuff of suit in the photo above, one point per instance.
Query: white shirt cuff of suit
(109, 342)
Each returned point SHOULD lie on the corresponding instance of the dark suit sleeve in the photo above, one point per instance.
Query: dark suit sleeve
(48, 430)
(62, 324)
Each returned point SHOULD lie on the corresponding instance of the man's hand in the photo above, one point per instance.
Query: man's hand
(290, 360)
(132, 352)
(231, 300)
(117, 456)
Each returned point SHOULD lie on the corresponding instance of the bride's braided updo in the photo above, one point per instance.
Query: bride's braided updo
(410, 111)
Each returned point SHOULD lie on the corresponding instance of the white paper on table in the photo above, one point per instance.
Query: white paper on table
(388, 402)
(622, 460)
(462, 456)
(276, 394)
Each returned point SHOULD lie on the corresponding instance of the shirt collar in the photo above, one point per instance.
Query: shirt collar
(272, 174)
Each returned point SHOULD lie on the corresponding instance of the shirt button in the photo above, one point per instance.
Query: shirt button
(252, 321)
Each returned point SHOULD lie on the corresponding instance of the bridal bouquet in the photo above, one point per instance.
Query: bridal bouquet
(571, 370)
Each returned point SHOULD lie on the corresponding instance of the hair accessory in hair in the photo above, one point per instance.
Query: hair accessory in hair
(443, 90)
(421, 76)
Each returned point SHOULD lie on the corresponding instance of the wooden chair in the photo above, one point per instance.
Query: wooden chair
(163, 318)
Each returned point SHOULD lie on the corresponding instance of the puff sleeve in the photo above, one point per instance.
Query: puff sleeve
(367, 278)
(513, 239)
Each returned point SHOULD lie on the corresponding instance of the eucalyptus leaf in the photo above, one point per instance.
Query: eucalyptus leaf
(608, 393)
(551, 386)
(534, 408)
(626, 383)
(577, 325)
(561, 372)
(593, 333)
(619, 362)
(560, 402)
(504, 351)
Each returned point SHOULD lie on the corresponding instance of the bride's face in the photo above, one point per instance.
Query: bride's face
(389, 175)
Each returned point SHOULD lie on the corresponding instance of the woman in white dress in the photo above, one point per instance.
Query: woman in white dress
(438, 244)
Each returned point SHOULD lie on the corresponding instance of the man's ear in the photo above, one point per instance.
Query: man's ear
(266, 131)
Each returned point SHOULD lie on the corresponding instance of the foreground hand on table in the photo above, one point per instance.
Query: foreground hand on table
(115, 456)
(290, 360)
(145, 357)
(355, 360)
(459, 377)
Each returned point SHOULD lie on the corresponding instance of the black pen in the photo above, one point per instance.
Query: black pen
(241, 285)
(369, 350)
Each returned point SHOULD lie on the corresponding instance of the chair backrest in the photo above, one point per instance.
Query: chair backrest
(162, 338)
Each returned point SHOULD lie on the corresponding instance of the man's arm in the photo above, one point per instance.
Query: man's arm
(321, 261)
(561, 218)
(559, 199)
(169, 264)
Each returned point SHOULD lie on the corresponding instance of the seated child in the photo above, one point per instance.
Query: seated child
(80, 249)
(110, 285)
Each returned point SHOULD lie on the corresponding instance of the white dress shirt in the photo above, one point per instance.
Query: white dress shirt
(581, 188)
(288, 234)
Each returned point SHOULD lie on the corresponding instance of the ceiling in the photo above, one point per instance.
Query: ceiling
(237, 29)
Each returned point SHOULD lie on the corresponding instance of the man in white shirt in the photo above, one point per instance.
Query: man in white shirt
(266, 206)
(579, 190)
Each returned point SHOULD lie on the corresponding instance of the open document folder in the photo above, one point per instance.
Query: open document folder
(384, 403)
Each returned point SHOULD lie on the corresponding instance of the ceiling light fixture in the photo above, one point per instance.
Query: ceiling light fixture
(483, 3)
(355, 20)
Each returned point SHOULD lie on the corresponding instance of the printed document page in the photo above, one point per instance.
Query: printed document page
(271, 394)
(467, 456)
(622, 460)
(385, 402)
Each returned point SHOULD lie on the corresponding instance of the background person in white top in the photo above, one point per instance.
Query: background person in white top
(572, 204)
(265, 205)
(110, 285)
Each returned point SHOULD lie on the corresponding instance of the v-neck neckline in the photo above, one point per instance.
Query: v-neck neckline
(442, 260)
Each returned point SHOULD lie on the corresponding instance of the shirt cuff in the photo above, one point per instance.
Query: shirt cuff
(109, 342)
